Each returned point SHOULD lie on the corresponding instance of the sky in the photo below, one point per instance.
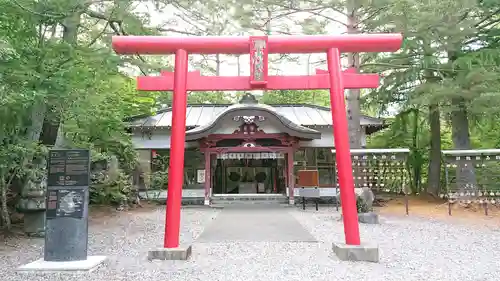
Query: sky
(304, 64)
(230, 66)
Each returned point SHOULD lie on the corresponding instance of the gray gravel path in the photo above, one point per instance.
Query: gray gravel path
(411, 249)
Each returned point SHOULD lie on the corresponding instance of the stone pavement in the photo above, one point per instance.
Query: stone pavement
(255, 223)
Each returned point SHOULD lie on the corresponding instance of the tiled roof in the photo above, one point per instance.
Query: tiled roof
(201, 114)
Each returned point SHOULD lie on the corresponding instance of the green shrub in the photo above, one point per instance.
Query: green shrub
(159, 180)
(104, 190)
(361, 205)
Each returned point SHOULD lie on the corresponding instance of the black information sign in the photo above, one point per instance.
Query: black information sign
(66, 230)
(51, 211)
(69, 168)
(66, 203)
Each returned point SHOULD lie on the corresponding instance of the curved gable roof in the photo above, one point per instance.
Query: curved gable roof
(306, 115)
(298, 116)
(245, 109)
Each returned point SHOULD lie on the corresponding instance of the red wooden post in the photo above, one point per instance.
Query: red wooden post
(291, 177)
(343, 155)
(177, 143)
(208, 179)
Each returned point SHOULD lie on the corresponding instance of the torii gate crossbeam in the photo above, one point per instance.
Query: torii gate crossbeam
(286, 44)
(258, 47)
(197, 82)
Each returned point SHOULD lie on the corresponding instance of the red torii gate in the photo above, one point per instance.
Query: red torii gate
(258, 47)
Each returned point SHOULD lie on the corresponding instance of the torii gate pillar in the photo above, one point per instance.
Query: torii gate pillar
(177, 146)
(259, 48)
(341, 139)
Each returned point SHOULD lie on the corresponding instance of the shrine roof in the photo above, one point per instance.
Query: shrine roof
(197, 115)
(249, 106)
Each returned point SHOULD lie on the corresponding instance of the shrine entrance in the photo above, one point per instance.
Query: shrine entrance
(249, 173)
(249, 149)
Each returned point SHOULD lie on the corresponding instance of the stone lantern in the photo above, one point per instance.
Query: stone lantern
(32, 202)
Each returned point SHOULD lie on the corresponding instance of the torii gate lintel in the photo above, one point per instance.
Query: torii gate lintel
(198, 82)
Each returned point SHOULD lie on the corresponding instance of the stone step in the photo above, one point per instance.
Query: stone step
(251, 206)
(239, 199)
(253, 202)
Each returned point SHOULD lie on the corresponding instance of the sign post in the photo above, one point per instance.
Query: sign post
(309, 186)
(66, 231)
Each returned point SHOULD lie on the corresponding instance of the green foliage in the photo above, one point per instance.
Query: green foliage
(105, 190)
(63, 87)
(407, 129)
(361, 205)
(209, 97)
(159, 180)
(317, 97)
(447, 61)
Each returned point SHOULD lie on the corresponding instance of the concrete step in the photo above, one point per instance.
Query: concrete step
(251, 206)
(249, 199)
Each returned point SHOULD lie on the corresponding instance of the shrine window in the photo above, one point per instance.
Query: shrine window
(159, 160)
(193, 161)
(324, 156)
(321, 159)
(311, 156)
(300, 155)
(314, 157)
(327, 176)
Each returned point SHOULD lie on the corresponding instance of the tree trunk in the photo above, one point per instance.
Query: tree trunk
(61, 137)
(70, 36)
(461, 140)
(217, 64)
(417, 162)
(353, 95)
(434, 181)
(239, 65)
(70, 28)
(33, 134)
(37, 117)
(434, 169)
(4, 210)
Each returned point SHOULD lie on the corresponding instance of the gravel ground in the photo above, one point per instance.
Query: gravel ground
(411, 249)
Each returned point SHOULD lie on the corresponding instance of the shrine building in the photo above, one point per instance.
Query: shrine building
(245, 149)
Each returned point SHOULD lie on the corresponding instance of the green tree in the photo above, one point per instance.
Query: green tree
(447, 67)
(62, 86)
(317, 97)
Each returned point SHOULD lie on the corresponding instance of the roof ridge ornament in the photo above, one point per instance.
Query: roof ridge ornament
(248, 98)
